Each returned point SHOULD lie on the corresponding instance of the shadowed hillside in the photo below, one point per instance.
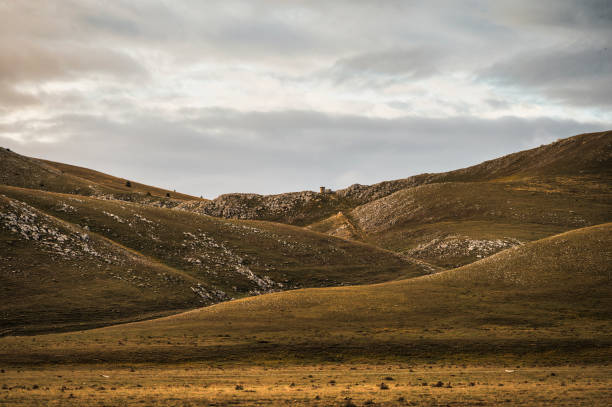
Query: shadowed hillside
(115, 253)
(175, 260)
(55, 275)
(544, 302)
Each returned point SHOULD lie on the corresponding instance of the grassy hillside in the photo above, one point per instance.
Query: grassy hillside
(187, 260)
(26, 172)
(56, 276)
(545, 302)
(579, 156)
(461, 216)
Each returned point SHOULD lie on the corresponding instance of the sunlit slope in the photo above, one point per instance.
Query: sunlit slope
(547, 301)
(461, 216)
(584, 155)
(451, 224)
(21, 171)
(212, 259)
(118, 185)
(58, 276)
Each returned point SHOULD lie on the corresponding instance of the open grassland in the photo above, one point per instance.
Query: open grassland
(546, 302)
(197, 384)
(527, 322)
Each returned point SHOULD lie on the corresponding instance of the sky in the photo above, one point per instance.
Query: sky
(270, 96)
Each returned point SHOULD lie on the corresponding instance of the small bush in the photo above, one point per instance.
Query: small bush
(383, 386)
(349, 403)
(239, 387)
(128, 184)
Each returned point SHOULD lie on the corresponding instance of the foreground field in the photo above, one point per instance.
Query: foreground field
(313, 385)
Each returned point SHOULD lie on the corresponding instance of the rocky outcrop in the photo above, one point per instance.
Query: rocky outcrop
(457, 250)
(294, 207)
(298, 208)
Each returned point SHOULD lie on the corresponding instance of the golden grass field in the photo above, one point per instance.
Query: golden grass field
(527, 326)
(196, 384)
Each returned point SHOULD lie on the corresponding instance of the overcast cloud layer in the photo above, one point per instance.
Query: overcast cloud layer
(275, 96)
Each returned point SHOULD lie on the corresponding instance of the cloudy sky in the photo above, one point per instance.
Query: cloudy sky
(268, 96)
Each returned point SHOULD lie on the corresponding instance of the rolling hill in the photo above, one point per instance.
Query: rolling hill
(33, 173)
(76, 261)
(87, 250)
(586, 155)
(547, 301)
(455, 218)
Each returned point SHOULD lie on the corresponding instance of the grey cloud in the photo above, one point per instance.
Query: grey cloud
(315, 55)
(217, 150)
(386, 67)
(578, 14)
(11, 98)
(574, 76)
(33, 64)
(23, 62)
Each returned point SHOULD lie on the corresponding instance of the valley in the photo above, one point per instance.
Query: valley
(493, 280)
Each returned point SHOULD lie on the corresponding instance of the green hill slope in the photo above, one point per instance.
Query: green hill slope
(545, 302)
(186, 260)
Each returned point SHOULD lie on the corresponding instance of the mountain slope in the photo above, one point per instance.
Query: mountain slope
(211, 259)
(458, 217)
(583, 155)
(26, 172)
(57, 276)
(548, 301)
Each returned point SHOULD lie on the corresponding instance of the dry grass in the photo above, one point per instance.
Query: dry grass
(311, 385)
(152, 257)
(547, 302)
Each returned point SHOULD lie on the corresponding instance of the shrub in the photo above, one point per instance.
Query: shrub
(128, 184)
(349, 403)
(383, 386)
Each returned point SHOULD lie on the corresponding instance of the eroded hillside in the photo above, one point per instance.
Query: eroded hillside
(203, 260)
(545, 302)
(120, 251)
(472, 213)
